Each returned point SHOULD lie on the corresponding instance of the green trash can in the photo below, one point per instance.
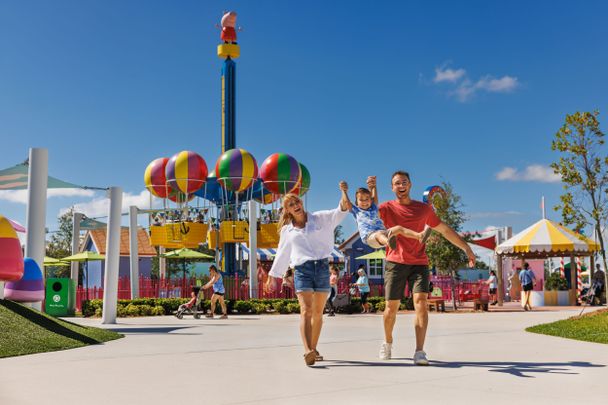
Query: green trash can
(60, 297)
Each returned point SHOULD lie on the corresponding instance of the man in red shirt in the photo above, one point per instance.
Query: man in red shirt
(408, 261)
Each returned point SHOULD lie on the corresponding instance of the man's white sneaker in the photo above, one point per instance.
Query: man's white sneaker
(385, 351)
(420, 358)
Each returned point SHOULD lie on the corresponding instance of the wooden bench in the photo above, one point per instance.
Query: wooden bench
(437, 303)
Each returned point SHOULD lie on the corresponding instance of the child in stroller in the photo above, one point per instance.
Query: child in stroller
(190, 307)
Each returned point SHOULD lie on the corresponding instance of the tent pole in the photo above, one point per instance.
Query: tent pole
(501, 290)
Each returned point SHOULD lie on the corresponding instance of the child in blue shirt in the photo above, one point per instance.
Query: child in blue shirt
(371, 229)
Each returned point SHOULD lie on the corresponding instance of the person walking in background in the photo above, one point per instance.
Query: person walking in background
(408, 263)
(527, 279)
(492, 285)
(216, 282)
(334, 274)
(363, 285)
(306, 242)
(515, 285)
(262, 275)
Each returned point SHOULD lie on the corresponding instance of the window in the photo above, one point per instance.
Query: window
(375, 267)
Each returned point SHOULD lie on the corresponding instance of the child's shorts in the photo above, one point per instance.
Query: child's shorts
(371, 240)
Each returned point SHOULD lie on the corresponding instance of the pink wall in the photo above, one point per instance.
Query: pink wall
(538, 268)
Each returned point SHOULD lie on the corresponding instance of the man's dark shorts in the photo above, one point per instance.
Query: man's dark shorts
(396, 275)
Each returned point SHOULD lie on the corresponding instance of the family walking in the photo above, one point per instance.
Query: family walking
(400, 225)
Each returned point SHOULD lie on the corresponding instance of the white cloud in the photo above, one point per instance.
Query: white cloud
(464, 88)
(99, 207)
(20, 196)
(448, 75)
(538, 173)
(503, 85)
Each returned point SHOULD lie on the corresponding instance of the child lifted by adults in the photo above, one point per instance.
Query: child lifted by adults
(371, 228)
(306, 242)
(407, 262)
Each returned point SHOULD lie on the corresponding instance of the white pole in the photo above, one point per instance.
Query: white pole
(133, 252)
(110, 284)
(542, 206)
(253, 245)
(35, 245)
(76, 218)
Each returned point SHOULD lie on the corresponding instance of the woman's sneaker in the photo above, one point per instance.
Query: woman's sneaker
(385, 351)
(420, 358)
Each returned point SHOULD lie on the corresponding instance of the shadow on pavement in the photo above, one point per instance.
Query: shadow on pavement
(519, 369)
(355, 363)
(153, 331)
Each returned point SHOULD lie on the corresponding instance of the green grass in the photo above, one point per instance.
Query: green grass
(24, 330)
(592, 327)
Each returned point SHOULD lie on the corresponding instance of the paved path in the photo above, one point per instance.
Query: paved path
(475, 358)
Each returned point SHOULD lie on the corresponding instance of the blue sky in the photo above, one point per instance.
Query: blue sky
(470, 93)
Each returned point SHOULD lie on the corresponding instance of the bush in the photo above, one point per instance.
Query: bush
(556, 282)
(243, 307)
(407, 304)
(293, 307)
(158, 310)
(259, 308)
(280, 307)
(380, 306)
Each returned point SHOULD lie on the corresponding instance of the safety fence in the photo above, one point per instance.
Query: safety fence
(237, 288)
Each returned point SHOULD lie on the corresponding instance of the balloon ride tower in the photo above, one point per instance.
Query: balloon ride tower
(229, 50)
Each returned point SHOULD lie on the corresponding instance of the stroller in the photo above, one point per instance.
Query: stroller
(592, 296)
(193, 307)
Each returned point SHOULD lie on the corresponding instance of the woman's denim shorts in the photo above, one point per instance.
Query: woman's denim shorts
(312, 275)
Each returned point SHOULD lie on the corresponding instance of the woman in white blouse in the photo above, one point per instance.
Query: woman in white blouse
(306, 243)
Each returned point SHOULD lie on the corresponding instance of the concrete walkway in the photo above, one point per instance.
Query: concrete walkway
(475, 358)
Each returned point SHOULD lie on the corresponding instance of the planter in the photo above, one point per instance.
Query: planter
(557, 298)
(537, 299)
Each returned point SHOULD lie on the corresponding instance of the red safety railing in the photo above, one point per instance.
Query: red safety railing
(237, 288)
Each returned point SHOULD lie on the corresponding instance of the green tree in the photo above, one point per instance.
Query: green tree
(480, 265)
(584, 172)
(60, 244)
(444, 256)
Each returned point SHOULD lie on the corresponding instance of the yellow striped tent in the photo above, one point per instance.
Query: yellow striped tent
(545, 239)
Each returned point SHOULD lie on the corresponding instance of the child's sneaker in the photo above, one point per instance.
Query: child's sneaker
(426, 234)
(392, 240)
(385, 351)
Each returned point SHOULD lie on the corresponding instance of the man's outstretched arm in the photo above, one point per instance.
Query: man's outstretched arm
(456, 240)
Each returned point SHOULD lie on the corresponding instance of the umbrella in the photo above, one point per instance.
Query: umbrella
(378, 254)
(51, 261)
(85, 257)
(185, 253)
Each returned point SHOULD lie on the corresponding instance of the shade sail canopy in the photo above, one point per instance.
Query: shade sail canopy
(547, 238)
(185, 253)
(84, 257)
(15, 178)
(378, 254)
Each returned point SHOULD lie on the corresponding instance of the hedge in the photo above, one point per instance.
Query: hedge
(168, 306)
